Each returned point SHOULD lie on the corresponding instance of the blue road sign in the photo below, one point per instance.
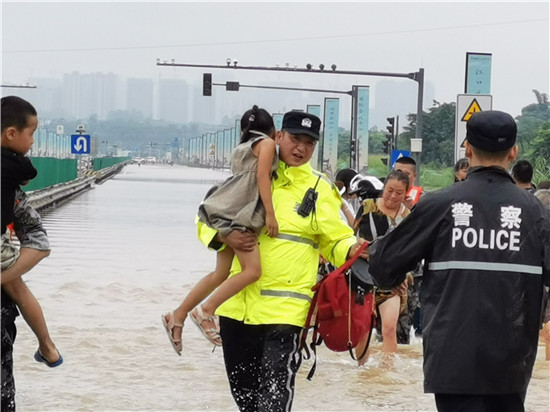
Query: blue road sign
(80, 143)
(396, 154)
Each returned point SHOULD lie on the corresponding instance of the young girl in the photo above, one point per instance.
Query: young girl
(242, 202)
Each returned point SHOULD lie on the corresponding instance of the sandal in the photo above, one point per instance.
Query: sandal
(212, 334)
(169, 327)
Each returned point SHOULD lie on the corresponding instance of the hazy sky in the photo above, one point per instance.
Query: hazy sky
(44, 39)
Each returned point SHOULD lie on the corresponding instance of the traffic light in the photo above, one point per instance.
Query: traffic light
(388, 143)
(390, 129)
(207, 84)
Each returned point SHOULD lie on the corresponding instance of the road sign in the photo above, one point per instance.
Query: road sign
(60, 129)
(80, 143)
(397, 154)
(233, 86)
(466, 106)
(478, 73)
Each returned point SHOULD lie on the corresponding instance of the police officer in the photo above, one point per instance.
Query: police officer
(486, 245)
(261, 325)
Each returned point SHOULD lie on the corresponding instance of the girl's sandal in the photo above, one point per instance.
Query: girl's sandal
(169, 327)
(212, 334)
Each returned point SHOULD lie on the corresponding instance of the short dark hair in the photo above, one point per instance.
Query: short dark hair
(256, 119)
(399, 176)
(406, 160)
(16, 112)
(522, 171)
(345, 176)
(462, 163)
(491, 156)
(545, 184)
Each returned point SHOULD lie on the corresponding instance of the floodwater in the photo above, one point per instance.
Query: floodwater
(125, 252)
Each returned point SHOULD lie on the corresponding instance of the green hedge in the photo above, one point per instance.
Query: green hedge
(103, 162)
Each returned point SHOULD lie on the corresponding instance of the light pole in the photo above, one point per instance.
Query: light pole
(19, 86)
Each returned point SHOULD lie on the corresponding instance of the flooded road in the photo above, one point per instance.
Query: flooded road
(125, 252)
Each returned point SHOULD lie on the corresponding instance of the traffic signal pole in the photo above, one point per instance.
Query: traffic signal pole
(416, 145)
(235, 86)
(283, 88)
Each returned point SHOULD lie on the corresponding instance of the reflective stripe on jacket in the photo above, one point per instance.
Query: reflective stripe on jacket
(486, 245)
(289, 262)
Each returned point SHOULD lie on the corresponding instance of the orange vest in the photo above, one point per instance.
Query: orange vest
(415, 192)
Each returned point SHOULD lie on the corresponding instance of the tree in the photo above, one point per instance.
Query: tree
(541, 97)
(540, 153)
(438, 133)
(529, 122)
(376, 139)
(343, 148)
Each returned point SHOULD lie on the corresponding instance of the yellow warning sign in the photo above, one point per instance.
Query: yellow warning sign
(472, 108)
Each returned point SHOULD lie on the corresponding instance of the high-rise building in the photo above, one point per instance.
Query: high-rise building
(88, 94)
(71, 93)
(173, 100)
(139, 96)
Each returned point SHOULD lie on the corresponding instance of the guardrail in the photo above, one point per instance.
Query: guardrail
(108, 172)
(54, 195)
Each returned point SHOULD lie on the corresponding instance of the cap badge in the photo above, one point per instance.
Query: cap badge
(306, 122)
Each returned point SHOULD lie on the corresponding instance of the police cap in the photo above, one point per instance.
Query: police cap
(301, 123)
(491, 130)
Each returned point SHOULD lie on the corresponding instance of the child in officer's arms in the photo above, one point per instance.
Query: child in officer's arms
(19, 121)
(243, 202)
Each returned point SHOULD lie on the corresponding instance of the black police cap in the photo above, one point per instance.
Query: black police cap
(491, 130)
(301, 123)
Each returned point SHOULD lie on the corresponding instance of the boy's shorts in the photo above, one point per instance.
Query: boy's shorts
(10, 252)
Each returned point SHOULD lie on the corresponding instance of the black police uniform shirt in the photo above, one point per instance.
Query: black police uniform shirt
(486, 245)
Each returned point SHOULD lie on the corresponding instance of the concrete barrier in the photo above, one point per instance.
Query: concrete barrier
(52, 196)
(55, 195)
(108, 172)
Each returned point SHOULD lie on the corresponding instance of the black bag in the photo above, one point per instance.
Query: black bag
(360, 280)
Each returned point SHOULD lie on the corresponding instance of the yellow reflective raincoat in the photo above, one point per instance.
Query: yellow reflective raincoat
(283, 293)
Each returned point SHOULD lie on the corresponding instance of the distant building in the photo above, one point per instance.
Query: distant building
(88, 94)
(47, 97)
(139, 96)
(173, 100)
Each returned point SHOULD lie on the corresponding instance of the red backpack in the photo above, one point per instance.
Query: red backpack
(342, 309)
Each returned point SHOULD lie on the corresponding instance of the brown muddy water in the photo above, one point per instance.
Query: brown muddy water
(125, 252)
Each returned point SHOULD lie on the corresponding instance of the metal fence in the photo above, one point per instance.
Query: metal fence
(52, 171)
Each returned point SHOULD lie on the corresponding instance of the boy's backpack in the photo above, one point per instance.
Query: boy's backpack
(341, 312)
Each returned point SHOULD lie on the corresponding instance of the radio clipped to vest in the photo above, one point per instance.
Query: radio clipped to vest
(309, 200)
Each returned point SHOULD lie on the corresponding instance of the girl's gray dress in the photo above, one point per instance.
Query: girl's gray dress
(235, 204)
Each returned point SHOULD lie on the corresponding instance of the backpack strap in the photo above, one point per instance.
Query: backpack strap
(373, 230)
(311, 320)
(311, 323)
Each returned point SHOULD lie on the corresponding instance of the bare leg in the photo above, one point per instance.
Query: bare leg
(203, 288)
(33, 315)
(203, 315)
(389, 313)
(250, 273)
(360, 348)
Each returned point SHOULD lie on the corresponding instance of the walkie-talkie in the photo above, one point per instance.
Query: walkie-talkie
(308, 202)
